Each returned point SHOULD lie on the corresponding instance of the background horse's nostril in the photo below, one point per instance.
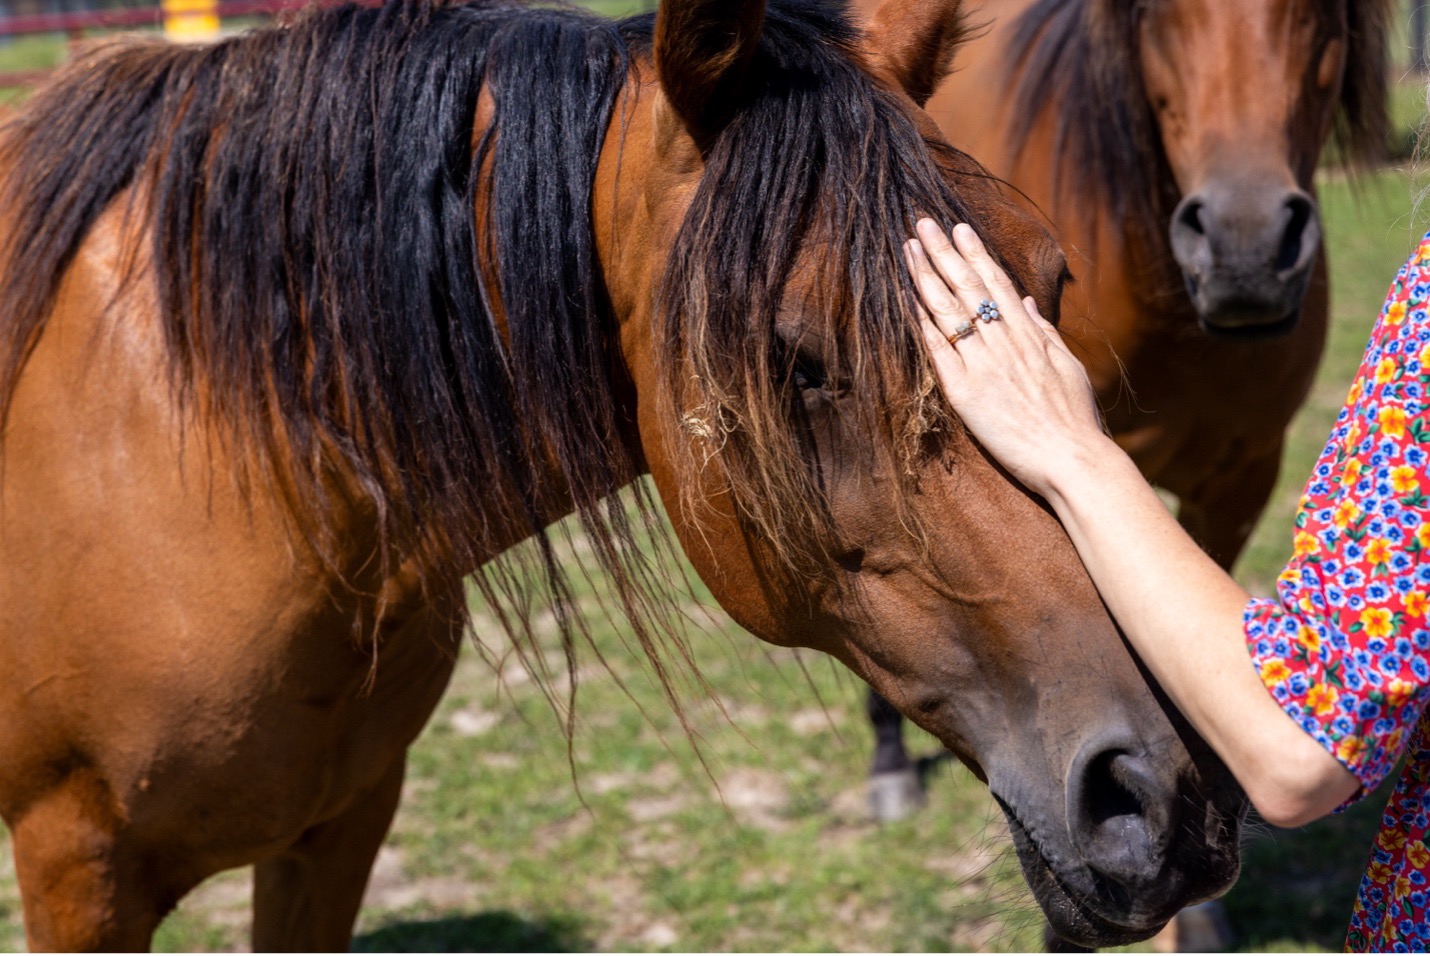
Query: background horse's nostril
(1189, 216)
(1188, 233)
(1301, 212)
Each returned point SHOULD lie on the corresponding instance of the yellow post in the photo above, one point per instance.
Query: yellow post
(190, 20)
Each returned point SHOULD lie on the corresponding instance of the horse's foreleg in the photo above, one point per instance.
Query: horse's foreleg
(307, 899)
(1221, 513)
(83, 887)
(895, 790)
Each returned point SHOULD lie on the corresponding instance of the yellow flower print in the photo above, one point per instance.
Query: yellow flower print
(1422, 534)
(1393, 739)
(1350, 750)
(1425, 357)
(1403, 887)
(1398, 692)
(1321, 699)
(1350, 474)
(1376, 621)
(1390, 839)
(1404, 479)
(1306, 543)
(1274, 671)
(1395, 315)
(1378, 551)
(1385, 370)
(1357, 389)
(1346, 513)
(1377, 872)
(1416, 603)
(1418, 854)
(1392, 421)
(1309, 639)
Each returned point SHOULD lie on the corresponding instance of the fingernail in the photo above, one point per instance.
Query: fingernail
(915, 247)
(964, 232)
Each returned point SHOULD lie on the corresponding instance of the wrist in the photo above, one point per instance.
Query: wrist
(1089, 464)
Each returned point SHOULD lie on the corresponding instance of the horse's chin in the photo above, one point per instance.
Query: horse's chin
(1242, 326)
(1074, 914)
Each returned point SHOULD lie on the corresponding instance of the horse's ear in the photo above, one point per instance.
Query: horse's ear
(702, 51)
(912, 43)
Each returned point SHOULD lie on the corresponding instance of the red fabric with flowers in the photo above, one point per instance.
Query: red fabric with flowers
(1345, 649)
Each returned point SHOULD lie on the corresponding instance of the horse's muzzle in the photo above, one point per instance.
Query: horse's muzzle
(1247, 257)
(1138, 844)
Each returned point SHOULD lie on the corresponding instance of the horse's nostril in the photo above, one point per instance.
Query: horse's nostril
(1190, 243)
(1121, 816)
(1109, 794)
(1300, 212)
(1189, 216)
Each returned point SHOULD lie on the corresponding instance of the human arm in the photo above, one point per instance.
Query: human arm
(1027, 399)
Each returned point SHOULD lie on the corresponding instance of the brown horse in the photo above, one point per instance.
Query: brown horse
(1173, 146)
(302, 328)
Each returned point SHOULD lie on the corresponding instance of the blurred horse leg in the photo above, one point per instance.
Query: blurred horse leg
(307, 898)
(1220, 514)
(895, 790)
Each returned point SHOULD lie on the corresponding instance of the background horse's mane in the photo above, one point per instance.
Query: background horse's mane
(1080, 58)
(309, 190)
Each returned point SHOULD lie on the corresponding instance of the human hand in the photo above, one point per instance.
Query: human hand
(1011, 380)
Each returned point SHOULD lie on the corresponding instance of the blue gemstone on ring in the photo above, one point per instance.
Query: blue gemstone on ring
(988, 311)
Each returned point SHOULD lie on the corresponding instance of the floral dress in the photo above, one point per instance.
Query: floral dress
(1345, 648)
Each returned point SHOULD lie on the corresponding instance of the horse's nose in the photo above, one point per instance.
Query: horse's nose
(1247, 254)
(1122, 816)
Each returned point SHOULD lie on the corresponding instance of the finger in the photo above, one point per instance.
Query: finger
(960, 275)
(1000, 288)
(940, 348)
(948, 314)
(1031, 305)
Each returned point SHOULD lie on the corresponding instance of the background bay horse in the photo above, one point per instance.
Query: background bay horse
(302, 328)
(1173, 147)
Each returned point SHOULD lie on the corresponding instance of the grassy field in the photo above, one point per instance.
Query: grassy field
(755, 835)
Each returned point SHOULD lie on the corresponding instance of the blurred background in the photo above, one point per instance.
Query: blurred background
(751, 831)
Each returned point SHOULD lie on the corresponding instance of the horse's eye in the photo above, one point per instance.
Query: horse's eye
(807, 374)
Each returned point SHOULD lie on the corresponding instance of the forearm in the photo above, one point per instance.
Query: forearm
(1183, 615)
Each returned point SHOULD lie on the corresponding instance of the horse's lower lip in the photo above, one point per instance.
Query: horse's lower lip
(1237, 325)
(1069, 911)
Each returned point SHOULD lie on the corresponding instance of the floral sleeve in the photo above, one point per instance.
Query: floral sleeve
(1345, 648)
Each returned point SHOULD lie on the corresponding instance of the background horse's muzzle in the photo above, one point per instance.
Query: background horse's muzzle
(1247, 253)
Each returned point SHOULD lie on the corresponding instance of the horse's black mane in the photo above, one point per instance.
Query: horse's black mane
(309, 191)
(1080, 59)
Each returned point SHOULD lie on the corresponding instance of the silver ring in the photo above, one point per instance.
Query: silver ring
(962, 332)
(988, 311)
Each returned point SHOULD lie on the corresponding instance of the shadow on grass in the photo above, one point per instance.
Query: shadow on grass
(494, 932)
(1297, 886)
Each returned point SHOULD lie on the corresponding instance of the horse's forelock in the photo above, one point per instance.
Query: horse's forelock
(804, 205)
